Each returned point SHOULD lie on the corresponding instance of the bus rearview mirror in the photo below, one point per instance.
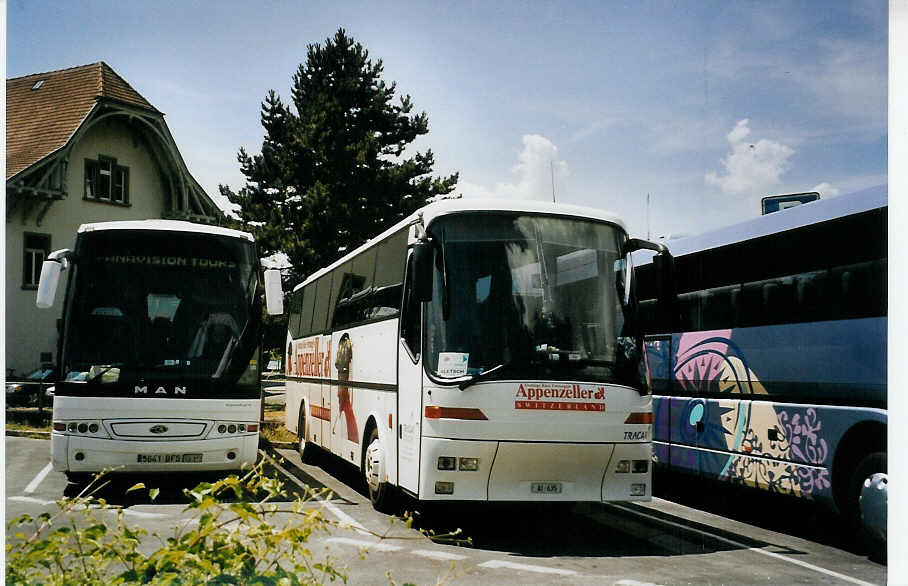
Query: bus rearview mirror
(664, 266)
(47, 285)
(274, 295)
(50, 277)
(422, 272)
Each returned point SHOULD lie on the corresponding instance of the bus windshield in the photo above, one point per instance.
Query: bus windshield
(150, 306)
(532, 296)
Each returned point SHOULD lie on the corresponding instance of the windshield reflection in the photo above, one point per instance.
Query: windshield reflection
(163, 306)
(538, 297)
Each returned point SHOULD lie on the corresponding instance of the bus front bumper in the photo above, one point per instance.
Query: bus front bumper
(534, 472)
(81, 454)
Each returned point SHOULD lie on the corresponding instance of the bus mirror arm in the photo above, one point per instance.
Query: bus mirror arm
(635, 244)
(664, 265)
(56, 263)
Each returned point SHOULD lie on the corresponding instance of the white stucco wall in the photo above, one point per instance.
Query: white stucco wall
(30, 331)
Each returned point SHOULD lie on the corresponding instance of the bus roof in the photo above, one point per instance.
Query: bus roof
(446, 207)
(165, 226)
(796, 217)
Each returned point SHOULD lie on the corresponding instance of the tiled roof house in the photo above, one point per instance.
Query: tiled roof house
(81, 146)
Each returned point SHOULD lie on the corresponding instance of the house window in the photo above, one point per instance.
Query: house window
(106, 181)
(37, 247)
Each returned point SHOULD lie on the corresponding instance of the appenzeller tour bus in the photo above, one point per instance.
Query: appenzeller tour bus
(479, 351)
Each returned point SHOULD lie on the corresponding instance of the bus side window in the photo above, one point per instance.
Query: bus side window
(649, 317)
(307, 304)
(296, 306)
(809, 300)
(343, 291)
(750, 305)
(689, 306)
(354, 298)
(389, 276)
(322, 304)
(779, 299)
(719, 308)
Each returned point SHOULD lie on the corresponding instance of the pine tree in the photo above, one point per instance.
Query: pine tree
(332, 172)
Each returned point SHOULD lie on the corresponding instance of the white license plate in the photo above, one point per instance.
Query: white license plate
(545, 487)
(169, 458)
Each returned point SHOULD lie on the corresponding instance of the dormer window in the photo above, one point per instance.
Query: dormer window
(106, 181)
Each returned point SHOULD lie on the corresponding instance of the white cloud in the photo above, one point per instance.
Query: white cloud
(752, 168)
(537, 163)
(740, 131)
(825, 189)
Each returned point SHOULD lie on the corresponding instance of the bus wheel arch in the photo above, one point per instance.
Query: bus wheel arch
(303, 446)
(863, 446)
(374, 468)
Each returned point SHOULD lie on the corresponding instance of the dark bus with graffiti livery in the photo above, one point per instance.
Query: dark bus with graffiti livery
(770, 372)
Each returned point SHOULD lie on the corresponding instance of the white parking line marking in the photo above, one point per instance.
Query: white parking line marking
(376, 545)
(29, 499)
(33, 485)
(633, 583)
(439, 555)
(342, 516)
(743, 546)
(494, 564)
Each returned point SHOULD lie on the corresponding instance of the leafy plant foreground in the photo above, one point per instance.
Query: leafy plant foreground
(237, 534)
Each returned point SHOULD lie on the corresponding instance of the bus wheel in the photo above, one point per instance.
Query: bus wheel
(79, 478)
(868, 516)
(374, 470)
(302, 446)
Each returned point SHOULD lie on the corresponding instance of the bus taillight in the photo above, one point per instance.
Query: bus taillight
(640, 418)
(436, 412)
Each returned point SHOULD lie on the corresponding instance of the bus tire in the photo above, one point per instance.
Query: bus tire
(304, 448)
(373, 468)
(79, 478)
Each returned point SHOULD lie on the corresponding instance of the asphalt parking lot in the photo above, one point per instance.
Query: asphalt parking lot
(662, 542)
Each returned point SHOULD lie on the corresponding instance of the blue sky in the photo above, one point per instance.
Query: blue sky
(707, 106)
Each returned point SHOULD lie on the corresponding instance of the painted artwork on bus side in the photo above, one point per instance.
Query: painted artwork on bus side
(758, 406)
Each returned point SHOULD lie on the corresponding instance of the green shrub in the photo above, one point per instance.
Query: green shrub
(247, 539)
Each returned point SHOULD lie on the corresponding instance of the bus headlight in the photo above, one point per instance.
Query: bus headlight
(639, 466)
(638, 489)
(88, 428)
(233, 428)
(447, 463)
(623, 467)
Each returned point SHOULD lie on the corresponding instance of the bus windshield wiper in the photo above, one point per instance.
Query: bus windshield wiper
(478, 377)
(104, 371)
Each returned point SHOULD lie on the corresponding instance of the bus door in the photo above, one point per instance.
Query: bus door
(409, 393)
(314, 351)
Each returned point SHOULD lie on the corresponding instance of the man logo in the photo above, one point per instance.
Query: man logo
(143, 390)
(158, 429)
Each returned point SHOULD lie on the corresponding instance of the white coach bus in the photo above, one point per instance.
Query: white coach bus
(479, 351)
(160, 349)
